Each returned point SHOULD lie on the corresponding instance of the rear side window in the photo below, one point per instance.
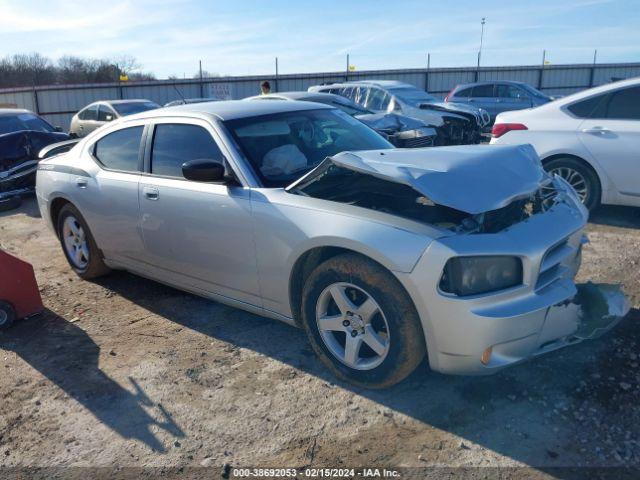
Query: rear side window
(592, 107)
(483, 91)
(464, 93)
(120, 150)
(624, 104)
(175, 144)
(89, 113)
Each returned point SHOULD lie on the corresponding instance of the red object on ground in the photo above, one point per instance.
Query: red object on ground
(18, 285)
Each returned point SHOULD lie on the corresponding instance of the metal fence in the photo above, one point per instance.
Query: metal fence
(58, 103)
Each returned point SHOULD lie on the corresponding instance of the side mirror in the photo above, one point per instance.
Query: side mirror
(203, 170)
(57, 128)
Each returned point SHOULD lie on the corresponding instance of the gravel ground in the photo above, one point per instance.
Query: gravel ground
(125, 372)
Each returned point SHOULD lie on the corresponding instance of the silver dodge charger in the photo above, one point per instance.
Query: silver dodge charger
(299, 212)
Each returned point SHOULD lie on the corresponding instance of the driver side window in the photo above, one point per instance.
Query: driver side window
(175, 144)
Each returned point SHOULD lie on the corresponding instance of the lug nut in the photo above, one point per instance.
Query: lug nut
(354, 333)
(346, 323)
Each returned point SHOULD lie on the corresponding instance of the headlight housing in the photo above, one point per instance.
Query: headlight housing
(464, 276)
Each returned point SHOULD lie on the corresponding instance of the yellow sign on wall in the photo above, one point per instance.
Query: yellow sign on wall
(124, 77)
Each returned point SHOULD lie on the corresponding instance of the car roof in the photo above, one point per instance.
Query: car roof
(629, 82)
(229, 109)
(7, 112)
(132, 100)
(378, 83)
(489, 82)
(302, 96)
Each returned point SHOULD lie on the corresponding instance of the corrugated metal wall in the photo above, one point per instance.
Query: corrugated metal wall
(58, 103)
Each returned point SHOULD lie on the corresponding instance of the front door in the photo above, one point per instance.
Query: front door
(612, 136)
(196, 234)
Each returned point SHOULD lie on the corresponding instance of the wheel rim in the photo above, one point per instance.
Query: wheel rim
(352, 326)
(75, 242)
(575, 179)
(3, 317)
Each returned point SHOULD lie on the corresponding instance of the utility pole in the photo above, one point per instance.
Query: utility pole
(276, 82)
(484, 20)
(426, 75)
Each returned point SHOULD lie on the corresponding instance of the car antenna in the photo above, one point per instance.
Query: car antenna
(179, 93)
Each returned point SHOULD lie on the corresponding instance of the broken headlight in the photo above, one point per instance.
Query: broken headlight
(464, 276)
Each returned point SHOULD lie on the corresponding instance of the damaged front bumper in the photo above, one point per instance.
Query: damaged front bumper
(482, 334)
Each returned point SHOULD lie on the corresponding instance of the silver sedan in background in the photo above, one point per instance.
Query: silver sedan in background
(299, 212)
(100, 113)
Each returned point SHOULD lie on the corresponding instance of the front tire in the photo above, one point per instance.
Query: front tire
(580, 176)
(361, 322)
(78, 244)
(7, 315)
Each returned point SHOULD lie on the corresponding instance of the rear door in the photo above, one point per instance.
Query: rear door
(483, 96)
(109, 201)
(196, 234)
(612, 136)
(88, 120)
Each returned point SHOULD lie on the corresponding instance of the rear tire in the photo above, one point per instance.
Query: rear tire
(580, 176)
(371, 335)
(7, 315)
(78, 244)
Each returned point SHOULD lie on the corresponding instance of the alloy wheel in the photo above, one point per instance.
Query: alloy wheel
(575, 179)
(75, 242)
(352, 326)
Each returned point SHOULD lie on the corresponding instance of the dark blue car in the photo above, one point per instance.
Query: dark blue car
(498, 96)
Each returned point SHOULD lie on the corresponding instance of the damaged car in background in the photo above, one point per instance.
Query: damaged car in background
(22, 135)
(402, 131)
(464, 254)
(457, 123)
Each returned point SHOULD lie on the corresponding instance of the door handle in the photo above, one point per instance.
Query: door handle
(596, 130)
(81, 182)
(151, 193)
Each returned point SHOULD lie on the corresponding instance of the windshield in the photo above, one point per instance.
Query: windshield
(412, 96)
(282, 147)
(125, 109)
(23, 121)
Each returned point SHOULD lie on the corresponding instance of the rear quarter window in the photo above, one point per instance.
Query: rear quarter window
(119, 150)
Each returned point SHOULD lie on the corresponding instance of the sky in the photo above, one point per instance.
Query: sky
(243, 37)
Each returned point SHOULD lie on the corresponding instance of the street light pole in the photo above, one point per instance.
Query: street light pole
(484, 20)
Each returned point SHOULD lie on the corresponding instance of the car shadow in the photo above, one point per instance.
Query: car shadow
(29, 206)
(508, 412)
(616, 216)
(68, 357)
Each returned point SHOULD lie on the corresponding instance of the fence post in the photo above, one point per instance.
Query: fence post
(201, 83)
(426, 73)
(276, 82)
(544, 57)
(593, 68)
(346, 72)
(36, 103)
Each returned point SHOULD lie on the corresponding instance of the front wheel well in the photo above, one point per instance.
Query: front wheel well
(304, 265)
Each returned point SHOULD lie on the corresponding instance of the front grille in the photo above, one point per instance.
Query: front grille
(416, 142)
(553, 264)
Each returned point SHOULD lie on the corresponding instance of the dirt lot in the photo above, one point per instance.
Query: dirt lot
(127, 372)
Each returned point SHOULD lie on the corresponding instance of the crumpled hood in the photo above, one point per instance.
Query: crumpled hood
(470, 178)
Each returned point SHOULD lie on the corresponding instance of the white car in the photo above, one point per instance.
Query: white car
(591, 139)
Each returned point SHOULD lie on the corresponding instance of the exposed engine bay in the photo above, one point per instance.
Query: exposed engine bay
(342, 185)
